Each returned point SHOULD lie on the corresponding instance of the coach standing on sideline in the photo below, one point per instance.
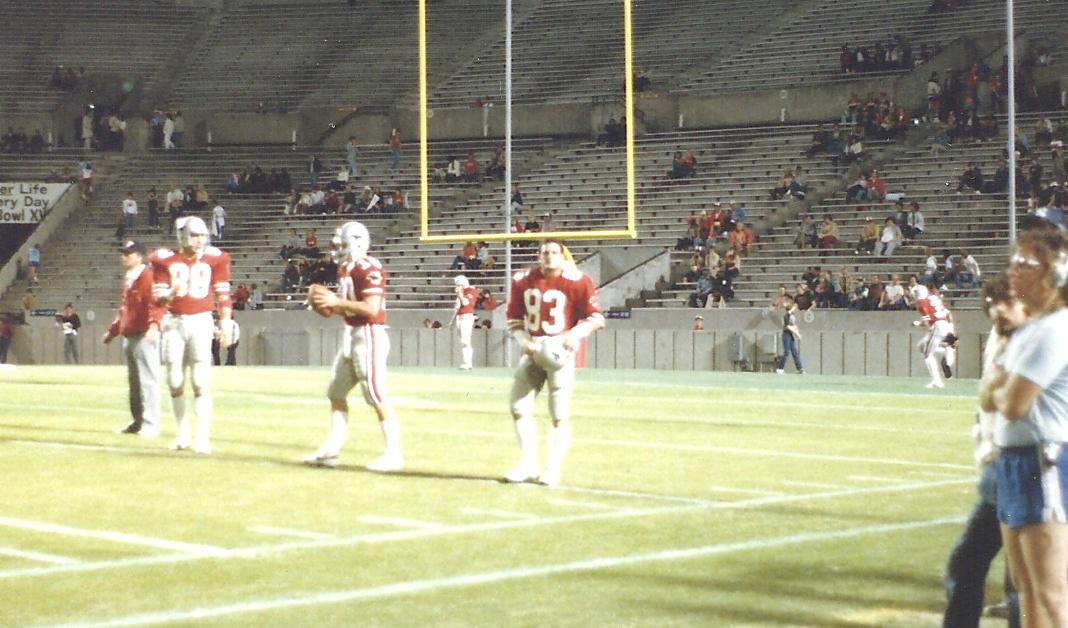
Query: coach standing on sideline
(138, 322)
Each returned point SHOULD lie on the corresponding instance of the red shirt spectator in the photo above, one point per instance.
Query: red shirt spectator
(877, 186)
(471, 168)
(241, 297)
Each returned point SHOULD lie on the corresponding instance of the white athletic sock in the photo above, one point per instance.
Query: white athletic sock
(178, 409)
(558, 441)
(934, 367)
(528, 440)
(202, 405)
(339, 431)
(391, 434)
(467, 353)
(951, 356)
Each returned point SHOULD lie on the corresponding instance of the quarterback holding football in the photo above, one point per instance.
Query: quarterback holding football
(361, 302)
(551, 309)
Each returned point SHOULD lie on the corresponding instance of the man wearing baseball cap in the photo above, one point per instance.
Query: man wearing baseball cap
(138, 322)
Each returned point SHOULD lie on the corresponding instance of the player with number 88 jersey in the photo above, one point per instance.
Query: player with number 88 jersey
(187, 281)
(551, 309)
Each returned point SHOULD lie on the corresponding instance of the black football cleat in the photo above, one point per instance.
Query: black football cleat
(134, 427)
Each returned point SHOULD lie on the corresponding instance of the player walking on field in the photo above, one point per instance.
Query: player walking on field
(938, 342)
(463, 316)
(551, 308)
(361, 358)
(138, 321)
(186, 281)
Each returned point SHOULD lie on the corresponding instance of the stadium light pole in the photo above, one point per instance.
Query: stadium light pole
(507, 162)
(1011, 62)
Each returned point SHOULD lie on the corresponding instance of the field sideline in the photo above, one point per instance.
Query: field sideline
(689, 499)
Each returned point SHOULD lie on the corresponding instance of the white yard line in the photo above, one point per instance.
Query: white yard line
(52, 445)
(473, 528)
(40, 557)
(943, 474)
(875, 478)
(607, 492)
(116, 537)
(300, 534)
(500, 514)
(492, 577)
(823, 485)
(742, 491)
(581, 504)
(398, 522)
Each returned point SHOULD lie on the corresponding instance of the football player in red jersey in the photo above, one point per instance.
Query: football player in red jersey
(187, 281)
(364, 347)
(551, 309)
(463, 316)
(939, 340)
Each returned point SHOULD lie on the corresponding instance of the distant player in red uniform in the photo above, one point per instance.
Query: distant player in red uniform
(138, 321)
(188, 281)
(939, 340)
(364, 348)
(551, 309)
(463, 316)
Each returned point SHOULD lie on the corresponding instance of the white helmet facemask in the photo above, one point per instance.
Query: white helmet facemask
(188, 226)
(351, 242)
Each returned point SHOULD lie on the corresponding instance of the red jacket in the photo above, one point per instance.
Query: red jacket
(138, 309)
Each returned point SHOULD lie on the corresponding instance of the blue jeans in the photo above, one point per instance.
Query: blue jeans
(969, 561)
(965, 277)
(128, 220)
(789, 347)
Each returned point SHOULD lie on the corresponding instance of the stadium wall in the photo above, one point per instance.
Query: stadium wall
(834, 343)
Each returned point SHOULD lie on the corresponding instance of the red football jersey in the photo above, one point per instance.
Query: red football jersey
(360, 280)
(465, 301)
(551, 306)
(932, 310)
(191, 281)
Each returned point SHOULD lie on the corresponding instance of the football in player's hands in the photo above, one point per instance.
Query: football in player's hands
(319, 299)
(550, 353)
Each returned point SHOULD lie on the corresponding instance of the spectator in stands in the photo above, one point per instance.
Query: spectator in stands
(394, 149)
(29, 304)
(819, 142)
(316, 201)
(218, 221)
(798, 184)
(780, 298)
(129, 211)
(807, 233)
(876, 187)
(825, 292)
(175, 201)
(152, 201)
(1043, 130)
(869, 235)
(315, 169)
(291, 277)
(116, 131)
(495, 167)
(723, 286)
(1000, 183)
(33, 258)
(341, 179)
(178, 134)
(311, 243)
(351, 155)
(70, 323)
(854, 151)
(828, 234)
(233, 184)
(804, 298)
(255, 298)
(240, 296)
(972, 178)
(858, 296)
(913, 225)
(741, 238)
(37, 143)
(292, 245)
(785, 182)
(485, 301)
(468, 257)
(348, 201)
(930, 274)
(876, 288)
(857, 192)
(155, 127)
(894, 296)
(168, 132)
(454, 171)
(700, 295)
(516, 198)
(85, 182)
(471, 169)
(890, 239)
(677, 170)
(969, 272)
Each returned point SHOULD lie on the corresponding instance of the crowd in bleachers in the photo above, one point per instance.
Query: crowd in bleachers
(16, 142)
(892, 55)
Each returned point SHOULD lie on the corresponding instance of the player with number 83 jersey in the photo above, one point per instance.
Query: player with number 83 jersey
(551, 309)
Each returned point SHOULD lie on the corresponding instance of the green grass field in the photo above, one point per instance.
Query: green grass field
(688, 499)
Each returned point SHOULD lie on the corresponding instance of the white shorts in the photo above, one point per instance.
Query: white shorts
(464, 324)
(186, 342)
(936, 335)
(361, 360)
(528, 381)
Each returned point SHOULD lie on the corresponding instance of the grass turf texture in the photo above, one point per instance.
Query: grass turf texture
(689, 499)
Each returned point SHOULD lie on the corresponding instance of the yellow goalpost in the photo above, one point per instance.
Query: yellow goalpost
(631, 230)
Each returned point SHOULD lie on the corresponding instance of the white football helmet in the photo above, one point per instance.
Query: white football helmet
(351, 241)
(461, 282)
(919, 292)
(188, 226)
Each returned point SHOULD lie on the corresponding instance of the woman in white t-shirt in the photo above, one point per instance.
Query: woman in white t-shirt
(1029, 391)
(889, 240)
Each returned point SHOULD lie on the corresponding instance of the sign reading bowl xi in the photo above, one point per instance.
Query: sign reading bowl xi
(28, 203)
